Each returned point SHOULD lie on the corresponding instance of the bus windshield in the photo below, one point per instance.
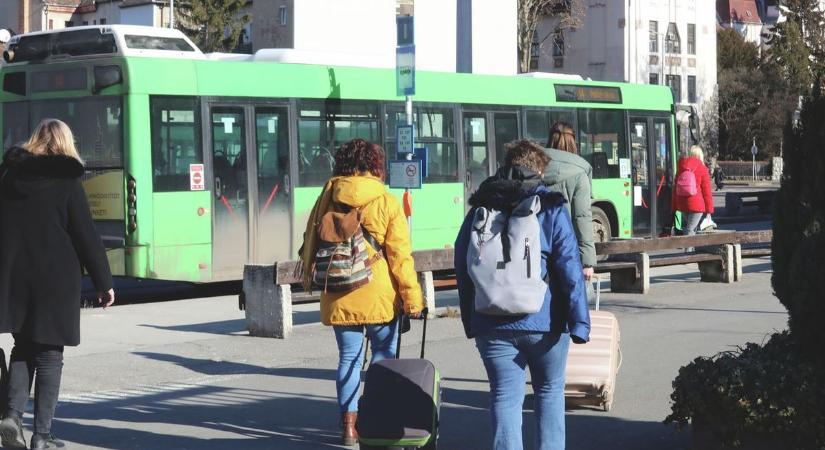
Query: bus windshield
(96, 123)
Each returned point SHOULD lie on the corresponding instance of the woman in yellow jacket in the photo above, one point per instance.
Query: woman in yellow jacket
(373, 308)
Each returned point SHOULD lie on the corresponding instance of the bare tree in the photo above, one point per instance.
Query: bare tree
(568, 14)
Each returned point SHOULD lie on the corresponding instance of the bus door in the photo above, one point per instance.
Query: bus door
(485, 134)
(652, 174)
(273, 187)
(476, 150)
(229, 155)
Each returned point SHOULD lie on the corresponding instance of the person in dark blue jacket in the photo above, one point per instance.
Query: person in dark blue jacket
(540, 341)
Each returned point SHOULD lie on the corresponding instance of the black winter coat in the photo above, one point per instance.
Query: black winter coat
(46, 236)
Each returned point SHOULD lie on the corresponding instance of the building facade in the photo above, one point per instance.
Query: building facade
(368, 27)
(743, 16)
(23, 16)
(668, 42)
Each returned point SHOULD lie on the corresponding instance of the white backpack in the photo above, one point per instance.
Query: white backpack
(504, 260)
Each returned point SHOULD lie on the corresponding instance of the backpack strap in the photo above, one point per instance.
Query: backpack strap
(368, 237)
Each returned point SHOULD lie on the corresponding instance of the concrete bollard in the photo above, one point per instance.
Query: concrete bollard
(268, 306)
(425, 279)
(634, 280)
(723, 271)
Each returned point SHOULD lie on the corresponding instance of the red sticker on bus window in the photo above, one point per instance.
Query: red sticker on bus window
(196, 177)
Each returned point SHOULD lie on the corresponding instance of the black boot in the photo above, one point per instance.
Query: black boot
(11, 431)
(40, 440)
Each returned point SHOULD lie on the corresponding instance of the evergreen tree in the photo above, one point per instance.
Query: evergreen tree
(214, 25)
(798, 248)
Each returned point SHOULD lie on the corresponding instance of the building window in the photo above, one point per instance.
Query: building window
(675, 83)
(654, 36)
(94, 22)
(69, 24)
(85, 22)
(534, 49)
(691, 89)
(51, 24)
(691, 39)
(558, 45)
(282, 15)
(103, 21)
(672, 42)
(654, 78)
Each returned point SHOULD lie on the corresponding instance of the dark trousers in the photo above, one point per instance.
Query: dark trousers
(43, 365)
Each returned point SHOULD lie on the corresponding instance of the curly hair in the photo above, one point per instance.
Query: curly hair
(358, 157)
(526, 153)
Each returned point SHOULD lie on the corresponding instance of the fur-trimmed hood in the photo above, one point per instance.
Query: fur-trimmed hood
(504, 190)
(23, 172)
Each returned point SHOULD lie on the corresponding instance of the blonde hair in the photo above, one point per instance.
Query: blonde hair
(52, 137)
(696, 152)
(562, 137)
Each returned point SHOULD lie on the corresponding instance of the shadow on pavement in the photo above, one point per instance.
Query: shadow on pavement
(613, 305)
(213, 367)
(203, 417)
(466, 425)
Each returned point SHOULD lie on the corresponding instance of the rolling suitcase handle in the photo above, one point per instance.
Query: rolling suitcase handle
(425, 313)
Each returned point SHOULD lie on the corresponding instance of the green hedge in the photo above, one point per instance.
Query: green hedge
(755, 391)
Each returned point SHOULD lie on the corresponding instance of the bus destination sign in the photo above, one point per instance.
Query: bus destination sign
(588, 94)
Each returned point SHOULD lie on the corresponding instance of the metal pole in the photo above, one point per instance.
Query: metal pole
(408, 106)
(171, 13)
(753, 162)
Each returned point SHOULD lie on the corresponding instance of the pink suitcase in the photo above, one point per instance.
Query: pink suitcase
(590, 377)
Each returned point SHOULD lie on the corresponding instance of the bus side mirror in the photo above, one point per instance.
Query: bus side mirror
(106, 76)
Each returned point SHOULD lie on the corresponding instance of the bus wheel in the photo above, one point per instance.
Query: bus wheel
(601, 228)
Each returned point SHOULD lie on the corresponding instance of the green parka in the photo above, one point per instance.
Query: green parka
(571, 175)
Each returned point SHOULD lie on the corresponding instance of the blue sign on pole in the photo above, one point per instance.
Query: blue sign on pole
(405, 70)
(421, 154)
(404, 139)
(405, 31)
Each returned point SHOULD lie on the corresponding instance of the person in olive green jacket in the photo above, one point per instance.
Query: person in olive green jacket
(571, 175)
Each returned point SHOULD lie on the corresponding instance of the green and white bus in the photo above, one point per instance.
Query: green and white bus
(198, 164)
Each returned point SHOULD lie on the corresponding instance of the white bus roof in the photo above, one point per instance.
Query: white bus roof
(130, 40)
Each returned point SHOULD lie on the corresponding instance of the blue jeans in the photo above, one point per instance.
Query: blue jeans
(506, 355)
(351, 354)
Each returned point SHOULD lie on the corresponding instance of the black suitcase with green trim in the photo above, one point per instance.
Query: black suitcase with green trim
(401, 403)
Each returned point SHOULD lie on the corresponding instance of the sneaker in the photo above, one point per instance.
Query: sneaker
(40, 440)
(11, 432)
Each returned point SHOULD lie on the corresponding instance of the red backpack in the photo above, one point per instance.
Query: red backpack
(686, 184)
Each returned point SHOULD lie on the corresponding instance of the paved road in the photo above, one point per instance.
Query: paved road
(183, 375)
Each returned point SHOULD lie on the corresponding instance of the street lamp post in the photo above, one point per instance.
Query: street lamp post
(754, 150)
(171, 13)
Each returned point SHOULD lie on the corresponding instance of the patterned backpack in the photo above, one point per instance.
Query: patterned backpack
(342, 262)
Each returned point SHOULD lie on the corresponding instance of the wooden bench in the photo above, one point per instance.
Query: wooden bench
(735, 201)
(718, 255)
(266, 296)
(267, 289)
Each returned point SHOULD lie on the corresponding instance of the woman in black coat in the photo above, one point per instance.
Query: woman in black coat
(46, 237)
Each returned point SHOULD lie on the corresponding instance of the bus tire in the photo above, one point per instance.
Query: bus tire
(601, 228)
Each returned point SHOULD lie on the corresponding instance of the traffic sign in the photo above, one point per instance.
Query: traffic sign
(404, 137)
(405, 174)
(754, 149)
(405, 70)
(421, 154)
(196, 177)
(404, 30)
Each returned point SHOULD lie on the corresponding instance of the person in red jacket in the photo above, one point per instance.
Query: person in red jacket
(692, 194)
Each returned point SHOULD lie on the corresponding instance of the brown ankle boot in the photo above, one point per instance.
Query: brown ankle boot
(350, 436)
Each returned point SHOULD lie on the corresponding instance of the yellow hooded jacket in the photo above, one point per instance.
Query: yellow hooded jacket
(394, 282)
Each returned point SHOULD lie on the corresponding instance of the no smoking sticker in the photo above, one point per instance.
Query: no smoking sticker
(405, 174)
(196, 177)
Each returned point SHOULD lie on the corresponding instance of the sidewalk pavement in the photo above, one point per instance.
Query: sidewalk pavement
(184, 375)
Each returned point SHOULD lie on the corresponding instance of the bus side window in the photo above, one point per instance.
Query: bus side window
(603, 141)
(175, 140)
